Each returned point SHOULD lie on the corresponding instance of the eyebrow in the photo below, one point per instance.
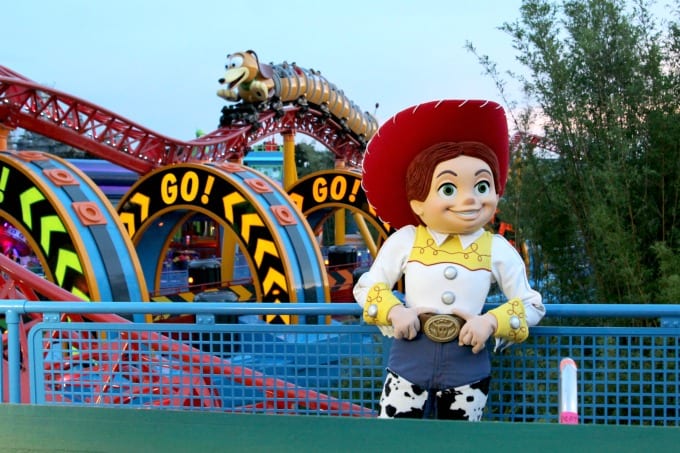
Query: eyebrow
(483, 170)
(447, 172)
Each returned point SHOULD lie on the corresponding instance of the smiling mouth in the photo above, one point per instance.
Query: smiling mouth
(236, 82)
(466, 214)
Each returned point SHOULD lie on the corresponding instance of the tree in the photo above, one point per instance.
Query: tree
(309, 160)
(24, 140)
(604, 211)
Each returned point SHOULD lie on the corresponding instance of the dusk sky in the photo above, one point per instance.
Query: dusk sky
(157, 62)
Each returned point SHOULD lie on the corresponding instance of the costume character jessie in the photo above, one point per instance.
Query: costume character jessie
(435, 172)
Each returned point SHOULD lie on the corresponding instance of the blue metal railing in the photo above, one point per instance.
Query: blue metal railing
(329, 363)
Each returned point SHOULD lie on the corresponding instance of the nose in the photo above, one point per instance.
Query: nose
(221, 80)
(469, 199)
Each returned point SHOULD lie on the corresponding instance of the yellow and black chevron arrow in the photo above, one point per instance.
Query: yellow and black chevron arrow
(220, 194)
(70, 226)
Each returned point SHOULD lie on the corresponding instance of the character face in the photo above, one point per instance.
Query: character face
(241, 67)
(462, 197)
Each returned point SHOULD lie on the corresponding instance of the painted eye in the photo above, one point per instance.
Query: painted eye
(447, 190)
(483, 188)
(234, 61)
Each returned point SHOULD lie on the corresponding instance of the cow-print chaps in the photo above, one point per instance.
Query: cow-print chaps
(403, 399)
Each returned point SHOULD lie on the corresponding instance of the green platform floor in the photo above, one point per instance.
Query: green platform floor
(28, 428)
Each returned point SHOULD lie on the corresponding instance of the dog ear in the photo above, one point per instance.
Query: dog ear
(265, 70)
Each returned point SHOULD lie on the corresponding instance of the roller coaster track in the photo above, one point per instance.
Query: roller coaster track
(309, 105)
(86, 126)
(82, 244)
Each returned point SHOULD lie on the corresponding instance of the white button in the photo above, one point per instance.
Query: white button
(448, 297)
(450, 273)
(372, 310)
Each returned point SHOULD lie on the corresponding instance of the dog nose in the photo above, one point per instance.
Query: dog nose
(221, 80)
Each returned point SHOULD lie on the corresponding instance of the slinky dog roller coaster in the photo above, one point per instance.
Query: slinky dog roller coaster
(92, 251)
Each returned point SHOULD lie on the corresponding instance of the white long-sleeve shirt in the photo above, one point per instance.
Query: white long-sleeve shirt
(441, 274)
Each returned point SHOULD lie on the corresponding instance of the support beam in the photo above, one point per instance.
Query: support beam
(4, 134)
(289, 168)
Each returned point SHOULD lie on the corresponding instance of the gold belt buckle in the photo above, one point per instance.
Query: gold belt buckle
(442, 328)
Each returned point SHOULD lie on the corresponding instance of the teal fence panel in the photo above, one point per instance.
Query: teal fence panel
(626, 376)
(242, 368)
(330, 363)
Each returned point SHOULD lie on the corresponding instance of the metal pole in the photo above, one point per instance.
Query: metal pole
(13, 356)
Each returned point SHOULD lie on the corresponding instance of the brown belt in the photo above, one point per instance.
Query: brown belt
(440, 328)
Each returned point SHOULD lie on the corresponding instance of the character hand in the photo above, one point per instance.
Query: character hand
(229, 95)
(258, 91)
(405, 322)
(476, 331)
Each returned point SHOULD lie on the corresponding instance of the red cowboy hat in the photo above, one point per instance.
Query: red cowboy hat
(416, 128)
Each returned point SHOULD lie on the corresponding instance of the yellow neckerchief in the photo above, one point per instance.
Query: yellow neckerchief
(477, 256)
